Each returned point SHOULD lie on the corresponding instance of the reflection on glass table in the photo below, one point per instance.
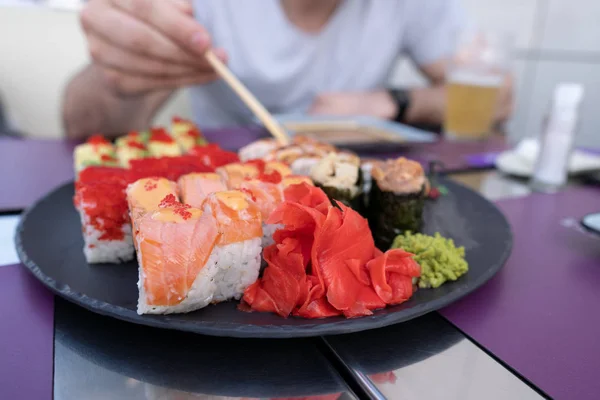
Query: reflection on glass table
(102, 358)
(426, 358)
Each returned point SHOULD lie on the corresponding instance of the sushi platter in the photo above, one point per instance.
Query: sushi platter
(163, 229)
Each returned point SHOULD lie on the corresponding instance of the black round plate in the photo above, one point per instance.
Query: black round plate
(50, 244)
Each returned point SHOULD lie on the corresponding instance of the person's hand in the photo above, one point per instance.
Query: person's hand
(376, 103)
(147, 45)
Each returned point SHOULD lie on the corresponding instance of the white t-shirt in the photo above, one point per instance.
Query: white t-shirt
(286, 68)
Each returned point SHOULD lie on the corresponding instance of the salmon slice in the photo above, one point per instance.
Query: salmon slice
(267, 196)
(195, 188)
(238, 217)
(275, 166)
(235, 173)
(174, 244)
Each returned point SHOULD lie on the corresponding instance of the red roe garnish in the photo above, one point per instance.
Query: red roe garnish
(177, 120)
(107, 158)
(150, 184)
(193, 133)
(100, 193)
(97, 140)
(271, 177)
(213, 156)
(178, 208)
(136, 145)
(182, 210)
(133, 134)
(168, 201)
(160, 135)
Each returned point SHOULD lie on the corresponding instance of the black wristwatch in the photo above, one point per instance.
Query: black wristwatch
(402, 99)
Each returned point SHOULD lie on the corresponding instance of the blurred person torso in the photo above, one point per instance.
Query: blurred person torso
(286, 67)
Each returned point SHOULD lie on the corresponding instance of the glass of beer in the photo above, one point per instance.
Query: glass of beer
(474, 79)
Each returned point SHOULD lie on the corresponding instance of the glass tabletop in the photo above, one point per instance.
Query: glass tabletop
(426, 358)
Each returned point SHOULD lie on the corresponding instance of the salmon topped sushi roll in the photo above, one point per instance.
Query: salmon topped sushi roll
(275, 166)
(190, 257)
(175, 245)
(195, 188)
(238, 248)
(235, 173)
(267, 197)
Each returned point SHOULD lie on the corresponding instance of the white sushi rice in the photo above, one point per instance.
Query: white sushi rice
(238, 267)
(303, 166)
(228, 272)
(105, 251)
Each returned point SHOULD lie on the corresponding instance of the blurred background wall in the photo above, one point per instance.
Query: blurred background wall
(41, 46)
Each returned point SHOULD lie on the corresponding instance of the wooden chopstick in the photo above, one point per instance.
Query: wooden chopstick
(248, 98)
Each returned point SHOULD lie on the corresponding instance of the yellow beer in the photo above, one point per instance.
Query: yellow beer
(470, 105)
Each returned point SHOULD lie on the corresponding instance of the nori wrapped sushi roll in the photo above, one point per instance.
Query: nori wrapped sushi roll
(396, 200)
(340, 177)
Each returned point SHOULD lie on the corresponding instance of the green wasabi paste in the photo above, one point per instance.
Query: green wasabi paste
(439, 258)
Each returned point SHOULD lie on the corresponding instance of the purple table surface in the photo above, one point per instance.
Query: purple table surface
(26, 336)
(540, 313)
(31, 168)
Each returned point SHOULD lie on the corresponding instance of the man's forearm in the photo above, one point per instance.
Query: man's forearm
(90, 107)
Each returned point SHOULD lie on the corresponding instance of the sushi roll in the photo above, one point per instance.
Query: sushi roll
(277, 167)
(237, 253)
(397, 199)
(100, 201)
(191, 257)
(161, 144)
(97, 151)
(174, 247)
(130, 147)
(267, 197)
(258, 149)
(235, 173)
(195, 188)
(186, 134)
(339, 175)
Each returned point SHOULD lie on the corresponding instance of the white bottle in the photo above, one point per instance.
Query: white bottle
(556, 141)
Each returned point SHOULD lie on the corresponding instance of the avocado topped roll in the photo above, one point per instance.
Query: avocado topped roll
(130, 147)
(339, 175)
(397, 199)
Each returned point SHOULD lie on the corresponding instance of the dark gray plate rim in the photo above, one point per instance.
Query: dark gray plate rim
(320, 327)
